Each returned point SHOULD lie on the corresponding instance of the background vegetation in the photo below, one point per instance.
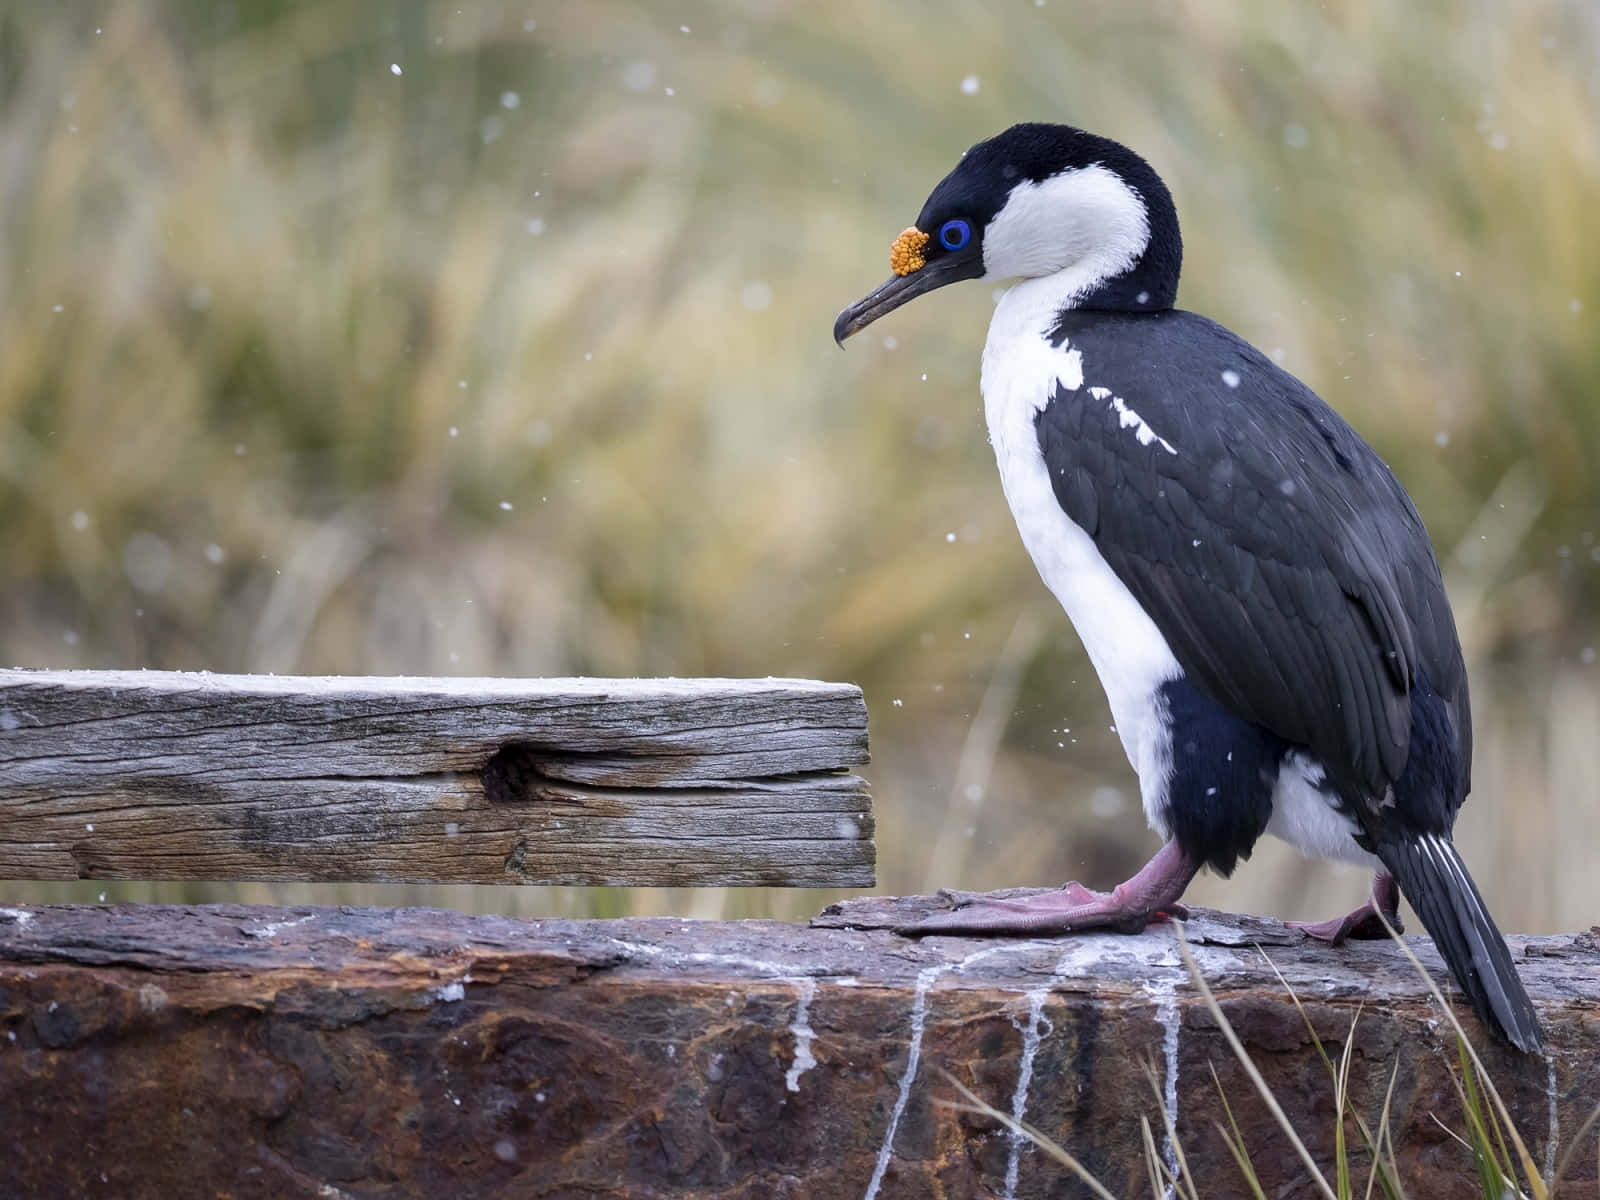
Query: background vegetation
(494, 338)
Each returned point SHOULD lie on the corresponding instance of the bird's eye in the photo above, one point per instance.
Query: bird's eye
(955, 234)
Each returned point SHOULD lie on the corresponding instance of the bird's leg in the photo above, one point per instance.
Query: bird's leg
(1363, 923)
(1127, 908)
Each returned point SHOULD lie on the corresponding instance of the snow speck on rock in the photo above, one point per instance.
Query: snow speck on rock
(152, 998)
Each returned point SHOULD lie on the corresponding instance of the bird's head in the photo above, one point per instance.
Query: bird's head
(1033, 201)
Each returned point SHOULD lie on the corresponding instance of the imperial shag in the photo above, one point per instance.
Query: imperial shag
(1255, 589)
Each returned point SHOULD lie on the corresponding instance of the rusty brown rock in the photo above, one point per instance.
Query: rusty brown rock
(244, 1052)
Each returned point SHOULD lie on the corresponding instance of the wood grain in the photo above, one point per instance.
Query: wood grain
(178, 775)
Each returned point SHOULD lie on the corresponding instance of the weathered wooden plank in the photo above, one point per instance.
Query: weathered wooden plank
(257, 1052)
(176, 775)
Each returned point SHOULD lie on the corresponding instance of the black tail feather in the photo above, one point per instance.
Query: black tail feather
(1433, 878)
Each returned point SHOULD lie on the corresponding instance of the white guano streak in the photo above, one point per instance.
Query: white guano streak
(1166, 993)
(1555, 1121)
(919, 1014)
(1037, 1029)
(919, 1017)
(805, 989)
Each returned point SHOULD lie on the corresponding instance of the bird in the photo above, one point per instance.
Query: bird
(1253, 586)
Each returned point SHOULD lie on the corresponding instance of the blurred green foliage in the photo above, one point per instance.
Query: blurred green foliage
(494, 338)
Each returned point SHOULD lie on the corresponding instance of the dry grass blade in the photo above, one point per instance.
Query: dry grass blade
(1451, 1133)
(1155, 1169)
(1577, 1140)
(1235, 1141)
(1492, 1178)
(1183, 1184)
(1491, 1123)
(1341, 1103)
(1380, 1164)
(1530, 1172)
(1339, 1074)
(1267, 1097)
(977, 1104)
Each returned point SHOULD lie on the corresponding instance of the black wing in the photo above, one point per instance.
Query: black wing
(1284, 563)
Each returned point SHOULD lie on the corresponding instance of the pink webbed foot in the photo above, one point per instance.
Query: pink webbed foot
(1129, 907)
(1362, 924)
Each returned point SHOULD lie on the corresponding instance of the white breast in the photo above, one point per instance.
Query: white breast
(1129, 654)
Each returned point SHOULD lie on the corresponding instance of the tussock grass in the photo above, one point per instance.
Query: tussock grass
(281, 332)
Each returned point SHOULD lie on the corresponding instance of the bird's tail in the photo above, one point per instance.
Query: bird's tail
(1433, 878)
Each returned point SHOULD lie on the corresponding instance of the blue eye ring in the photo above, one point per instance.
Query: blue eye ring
(954, 234)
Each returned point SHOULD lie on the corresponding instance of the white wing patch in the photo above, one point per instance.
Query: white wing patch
(1069, 372)
(1129, 419)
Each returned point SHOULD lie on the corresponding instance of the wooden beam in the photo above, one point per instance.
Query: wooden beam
(258, 1052)
(176, 775)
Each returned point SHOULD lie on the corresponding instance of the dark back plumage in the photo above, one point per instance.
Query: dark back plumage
(1276, 551)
